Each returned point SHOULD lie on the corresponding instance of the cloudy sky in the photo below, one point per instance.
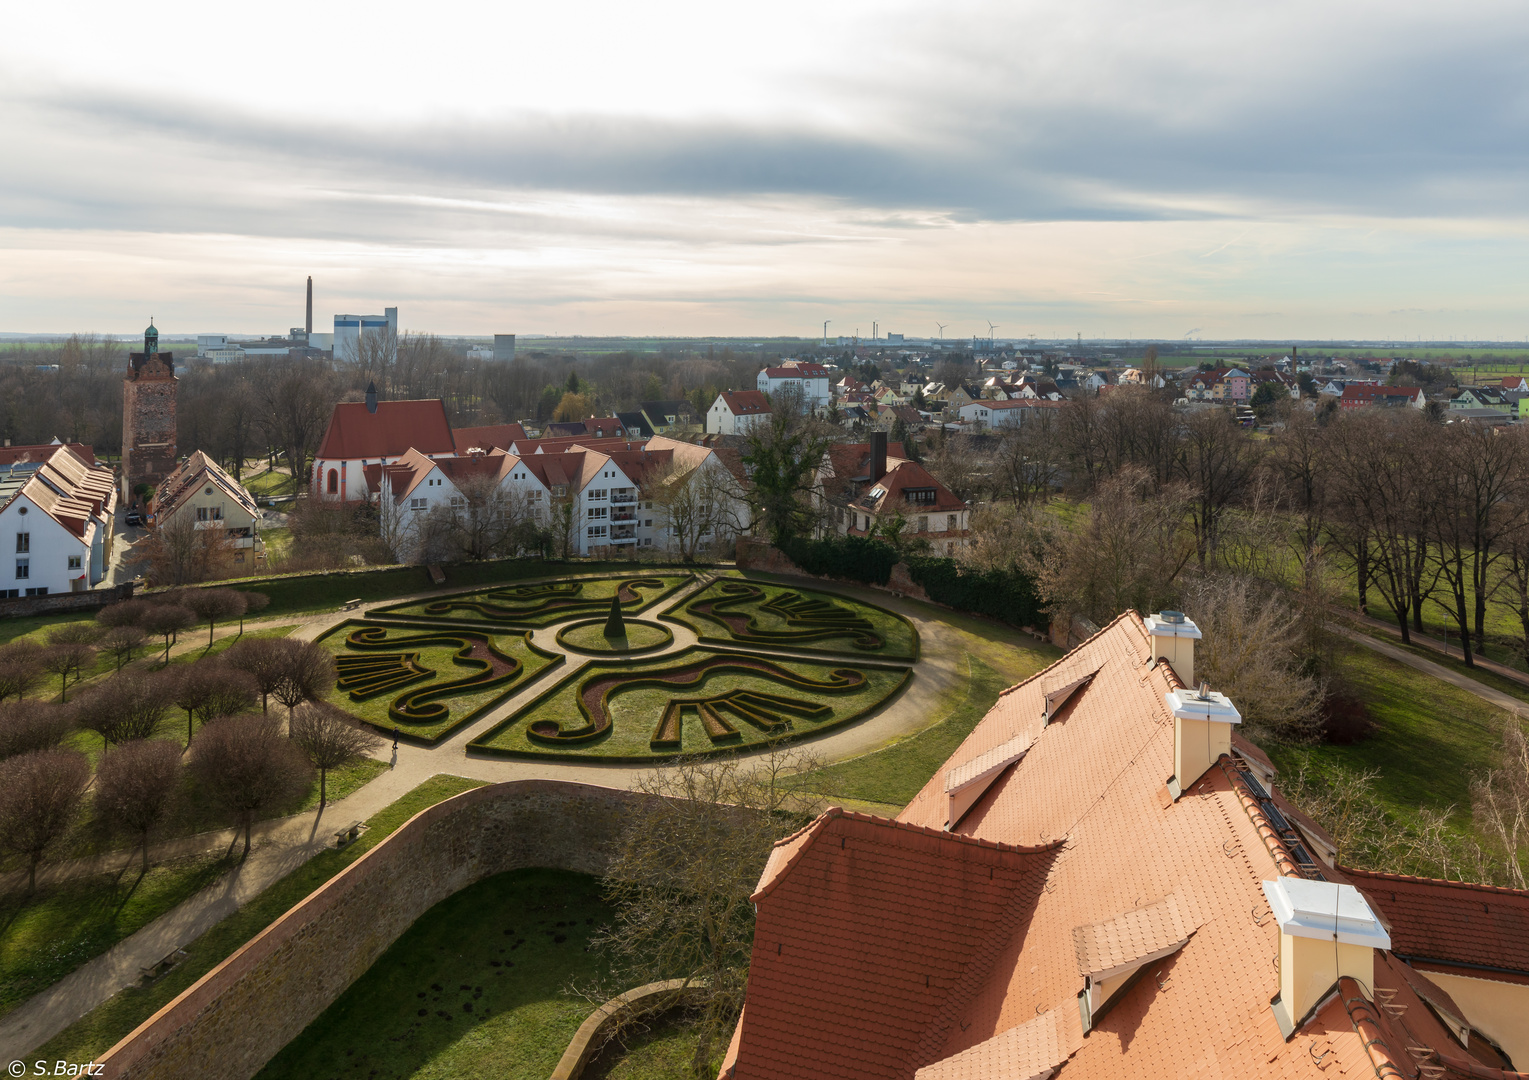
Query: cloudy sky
(1116, 169)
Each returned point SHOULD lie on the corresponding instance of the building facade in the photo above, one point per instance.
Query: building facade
(148, 418)
(57, 517)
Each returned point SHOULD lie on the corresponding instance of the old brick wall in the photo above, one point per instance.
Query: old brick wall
(148, 426)
(54, 603)
(236, 1017)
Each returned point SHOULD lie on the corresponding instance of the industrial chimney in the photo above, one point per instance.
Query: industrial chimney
(309, 323)
(878, 456)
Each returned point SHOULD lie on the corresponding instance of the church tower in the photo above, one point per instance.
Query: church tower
(148, 417)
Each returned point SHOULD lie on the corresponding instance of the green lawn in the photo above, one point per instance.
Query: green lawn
(635, 713)
(91, 1036)
(268, 482)
(895, 773)
(541, 603)
(46, 935)
(790, 617)
(637, 637)
(662, 1051)
(476, 988)
(1430, 737)
(433, 649)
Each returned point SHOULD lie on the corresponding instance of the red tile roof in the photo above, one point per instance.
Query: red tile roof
(395, 427)
(1451, 921)
(898, 481)
(846, 933)
(9, 455)
(491, 437)
(746, 402)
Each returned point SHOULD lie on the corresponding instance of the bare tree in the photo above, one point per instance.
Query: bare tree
(330, 737)
(66, 659)
(296, 399)
(261, 659)
(1215, 459)
(685, 866)
(210, 689)
(253, 602)
(123, 613)
(699, 506)
(1029, 464)
(167, 620)
(246, 765)
(492, 519)
(136, 787)
(1500, 803)
(20, 667)
(122, 642)
(40, 796)
(215, 604)
(127, 706)
(307, 673)
(31, 725)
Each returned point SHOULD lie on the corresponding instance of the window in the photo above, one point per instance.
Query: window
(457, 502)
(23, 543)
(23, 569)
(76, 562)
(42, 591)
(596, 512)
(648, 524)
(334, 481)
(598, 493)
(596, 531)
(201, 513)
(417, 504)
(536, 495)
(950, 523)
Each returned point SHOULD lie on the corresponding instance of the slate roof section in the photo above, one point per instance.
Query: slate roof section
(354, 433)
(1450, 921)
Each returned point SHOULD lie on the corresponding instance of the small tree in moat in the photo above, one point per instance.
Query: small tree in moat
(330, 737)
(136, 786)
(39, 797)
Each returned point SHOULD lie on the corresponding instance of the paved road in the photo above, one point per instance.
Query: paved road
(1424, 641)
(1454, 678)
(288, 843)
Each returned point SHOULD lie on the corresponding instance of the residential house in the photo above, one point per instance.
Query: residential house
(636, 425)
(490, 437)
(202, 492)
(372, 432)
(1006, 414)
(1037, 388)
(1515, 382)
(1227, 386)
(961, 396)
(57, 519)
(737, 412)
(1104, 881)
(1484, 397)
(1282, 381)
(1368, 395)
(670, 417)
(1136, 377)
(861, 486)
(809, 379)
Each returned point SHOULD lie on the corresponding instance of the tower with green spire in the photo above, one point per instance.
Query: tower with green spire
(148, 417)
(150, 340)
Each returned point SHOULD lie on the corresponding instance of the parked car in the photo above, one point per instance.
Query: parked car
(134, 518)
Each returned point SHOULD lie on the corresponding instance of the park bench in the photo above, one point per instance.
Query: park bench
(352, 605)
(437, 575)
(161, 966)
(349, 834)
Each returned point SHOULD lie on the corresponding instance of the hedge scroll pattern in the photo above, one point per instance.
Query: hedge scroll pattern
(365, 676)
(538, 603)
(595, 692)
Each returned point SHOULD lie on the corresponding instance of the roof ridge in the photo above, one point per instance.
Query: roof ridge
(1283, 863)
(1500, 890)
(1065, 656)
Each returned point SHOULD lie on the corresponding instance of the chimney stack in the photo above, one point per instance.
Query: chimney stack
(878, 456)
(1327, 931)
(1173, 635)
(309, 322)
(371, 397)
(1202, 719)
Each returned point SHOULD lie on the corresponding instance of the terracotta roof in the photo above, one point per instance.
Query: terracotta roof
(493, 436)
(804, 372)
(848, 930)
(395, 427)
(192, 474)
(1451, 921)
(745, 402)
(901, 478)
(9, 455)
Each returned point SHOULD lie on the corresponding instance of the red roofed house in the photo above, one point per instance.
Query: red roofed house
(1365, 395)
(1515, 382)
(867, 484)
(373, 432)
(57, 512)
(489, 437)
(804, 376)
(736, 412)
(1102, 882)
(200, 489)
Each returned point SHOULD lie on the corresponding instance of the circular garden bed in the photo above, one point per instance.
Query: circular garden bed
(589, 636)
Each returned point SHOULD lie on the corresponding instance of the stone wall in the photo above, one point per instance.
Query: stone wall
(239, 1015)
(148, 425)
(55, 603)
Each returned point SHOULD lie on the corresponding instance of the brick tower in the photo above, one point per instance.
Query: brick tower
(148, 417)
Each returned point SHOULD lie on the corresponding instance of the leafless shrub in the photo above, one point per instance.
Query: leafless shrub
(31, 725)
(66, 659)
(136, 786)
(213, 605)
(167, 620)
(123, 613)
(20, 668)
(39, 799)
(1500, 803)
(246, 765)
(127, 706)
(330, 737)
(253, 602)
(306, 672)
(261, 659)
(211, 689)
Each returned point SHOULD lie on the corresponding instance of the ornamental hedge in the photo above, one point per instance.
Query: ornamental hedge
(1006, 595)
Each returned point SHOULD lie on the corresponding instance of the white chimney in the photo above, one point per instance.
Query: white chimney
(1202, 732)
(1326, 932)
(1173, 636)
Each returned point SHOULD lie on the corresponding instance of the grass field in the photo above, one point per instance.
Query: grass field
(895, 773)
(662, 1051)
(635, 713)
(46, 935)
(474, 990)
(91, 1036)
(790, 617)
(1430, 737)
(544, 603)
(441, 659)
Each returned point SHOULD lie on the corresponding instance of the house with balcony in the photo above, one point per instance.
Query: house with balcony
(57, 520)
(199, 489)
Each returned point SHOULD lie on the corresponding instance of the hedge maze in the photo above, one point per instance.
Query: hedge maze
(427, 681)
(750, 613)
(540, 603)
(773, 662)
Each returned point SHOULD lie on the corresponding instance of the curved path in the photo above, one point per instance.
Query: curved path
(287, 843)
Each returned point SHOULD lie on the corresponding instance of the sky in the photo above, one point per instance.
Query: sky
(1273, 169)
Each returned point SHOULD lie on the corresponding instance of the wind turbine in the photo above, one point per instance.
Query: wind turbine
(942, 326)
(990, 328)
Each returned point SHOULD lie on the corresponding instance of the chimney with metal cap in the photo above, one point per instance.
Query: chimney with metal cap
(1327, 931)
(1202, 719)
